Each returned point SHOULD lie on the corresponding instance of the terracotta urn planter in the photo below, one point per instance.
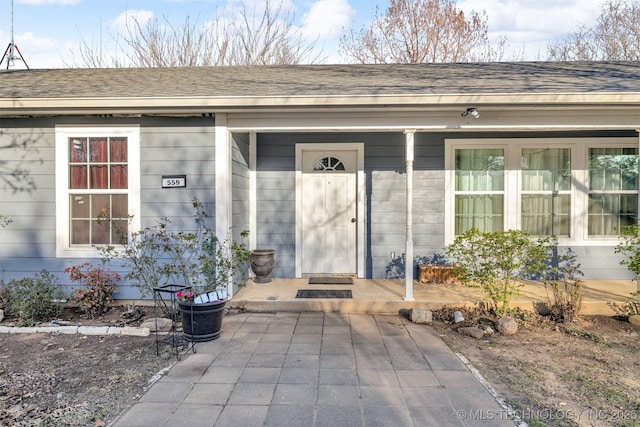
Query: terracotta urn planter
(262, 264)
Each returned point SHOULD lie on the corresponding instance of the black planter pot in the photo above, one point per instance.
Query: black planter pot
(201, 321)
(262, 264)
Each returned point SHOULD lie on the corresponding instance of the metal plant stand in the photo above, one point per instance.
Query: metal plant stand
(163, 295)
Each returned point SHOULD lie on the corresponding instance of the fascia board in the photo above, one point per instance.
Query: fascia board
(206, 104)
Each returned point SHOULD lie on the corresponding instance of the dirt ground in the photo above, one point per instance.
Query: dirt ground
(75, 380)
(586, 373)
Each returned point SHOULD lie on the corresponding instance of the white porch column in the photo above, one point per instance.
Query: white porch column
(408, 268)
(223, 178)
(253, 222)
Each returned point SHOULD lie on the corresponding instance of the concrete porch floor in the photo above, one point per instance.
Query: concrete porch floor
(385, 296)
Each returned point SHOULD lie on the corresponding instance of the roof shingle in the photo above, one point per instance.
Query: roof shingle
(323, 80)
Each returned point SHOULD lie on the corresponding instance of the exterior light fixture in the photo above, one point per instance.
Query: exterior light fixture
(471, 111)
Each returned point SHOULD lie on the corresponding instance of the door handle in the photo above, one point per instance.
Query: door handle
(353, 220)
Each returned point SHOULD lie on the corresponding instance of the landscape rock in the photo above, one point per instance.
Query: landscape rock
(93, 330)
(506, 326)
(421, 316)
(164, 325)
(472, 331)
(136, 332)
(458, 317)
(634, 319)
(1, 315)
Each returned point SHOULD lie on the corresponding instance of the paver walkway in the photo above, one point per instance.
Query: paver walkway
(318, 369)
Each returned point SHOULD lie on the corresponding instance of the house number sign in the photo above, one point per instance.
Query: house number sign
(174, 181)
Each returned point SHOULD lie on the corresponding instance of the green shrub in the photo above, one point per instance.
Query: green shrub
(33, 299)
(98, 288)
(630, 247)
(497, 261)
(156, 256)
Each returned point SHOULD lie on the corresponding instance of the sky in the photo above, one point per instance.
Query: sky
(48, 32)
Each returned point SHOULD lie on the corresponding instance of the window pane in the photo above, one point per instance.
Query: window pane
(100, 206)
(80, 232)
(118, 147)
(98, 150)
(479, 170)
(79, 206)
(608, 213)
(77, 150)
(546, 214)
(484, 212)
(613, 169)
(99, 176)
(100, 232)
(119, 232)
(329, 164)
(78, 177)
(546, 169)
(119, 178)
(95, 218)
(119, 206)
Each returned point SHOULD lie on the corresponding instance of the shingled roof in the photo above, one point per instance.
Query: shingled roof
(213, 90)
(324, 80)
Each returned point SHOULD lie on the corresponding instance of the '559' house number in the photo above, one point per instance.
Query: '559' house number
(174, 181)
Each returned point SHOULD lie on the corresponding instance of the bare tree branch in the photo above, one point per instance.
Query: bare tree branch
(250, 37)
(615, 36)
(18, 153)
(421, 31)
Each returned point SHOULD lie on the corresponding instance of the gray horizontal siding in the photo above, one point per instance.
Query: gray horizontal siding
(240, 187)
(601, 262)
(385, 195)
(386, 189)
(168, 147)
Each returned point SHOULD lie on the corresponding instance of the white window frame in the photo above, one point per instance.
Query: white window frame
(579, 198)
(62, 135)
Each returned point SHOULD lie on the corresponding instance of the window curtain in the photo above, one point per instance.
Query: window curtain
(479, 171)
(546, 172)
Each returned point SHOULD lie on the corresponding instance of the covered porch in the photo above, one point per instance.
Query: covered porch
(385, 296)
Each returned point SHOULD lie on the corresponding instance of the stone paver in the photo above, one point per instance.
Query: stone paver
(315, 369)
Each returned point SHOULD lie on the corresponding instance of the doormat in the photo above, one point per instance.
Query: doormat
(324, 293)
(330, 280)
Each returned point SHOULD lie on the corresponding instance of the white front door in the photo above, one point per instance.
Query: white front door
(329, 212)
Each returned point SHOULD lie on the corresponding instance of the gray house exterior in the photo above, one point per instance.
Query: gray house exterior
(343, 169)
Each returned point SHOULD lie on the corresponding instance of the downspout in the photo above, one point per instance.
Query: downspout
(223, 199)
(408, 260)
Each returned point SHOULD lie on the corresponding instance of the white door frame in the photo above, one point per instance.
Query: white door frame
(358, 147)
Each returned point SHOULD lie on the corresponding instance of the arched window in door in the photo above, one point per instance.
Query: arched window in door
(329, 163)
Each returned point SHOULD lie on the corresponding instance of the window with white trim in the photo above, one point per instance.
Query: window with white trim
(613, 189)
(576, 189)
(479, 189)
(97, 186)
(545, 191)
